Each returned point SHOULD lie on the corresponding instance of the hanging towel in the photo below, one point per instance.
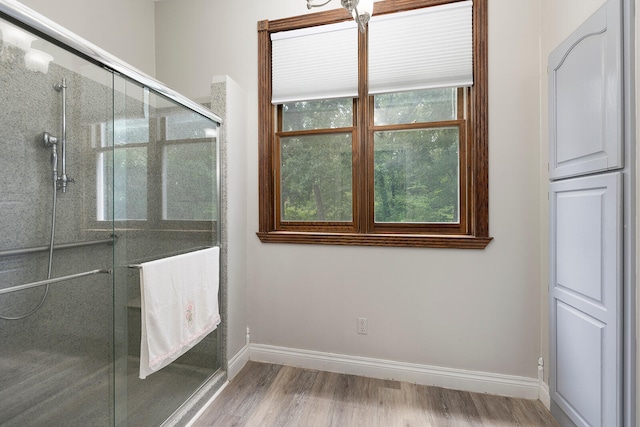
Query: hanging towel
(179, 297)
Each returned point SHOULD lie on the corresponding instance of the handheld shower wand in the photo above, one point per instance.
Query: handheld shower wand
(51, 141)
(59, 182)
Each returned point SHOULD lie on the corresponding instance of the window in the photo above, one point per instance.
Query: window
(388, 157)
(188, 143)
(128, 199)
(156, 165)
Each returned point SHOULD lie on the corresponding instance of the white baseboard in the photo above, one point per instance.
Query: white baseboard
(457, 379)
(544, 395)
(237, 362)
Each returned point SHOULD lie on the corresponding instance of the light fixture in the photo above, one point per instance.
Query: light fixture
(360, 9)
(37, 60)
(15, 36)
(210, 133)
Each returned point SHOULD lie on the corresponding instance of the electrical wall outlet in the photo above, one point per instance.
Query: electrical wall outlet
(363, 326)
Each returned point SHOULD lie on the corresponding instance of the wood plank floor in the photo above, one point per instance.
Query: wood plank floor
(273, 395)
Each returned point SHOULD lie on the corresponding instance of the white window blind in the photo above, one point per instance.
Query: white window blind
(421, 49)
(315, 63)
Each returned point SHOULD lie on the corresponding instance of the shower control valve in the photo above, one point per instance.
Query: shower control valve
(63, 181)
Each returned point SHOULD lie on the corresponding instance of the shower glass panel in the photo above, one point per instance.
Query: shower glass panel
(142, 180)
(56, 365)
(161, 171)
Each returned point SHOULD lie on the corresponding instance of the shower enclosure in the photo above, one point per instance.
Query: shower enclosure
(101, 168)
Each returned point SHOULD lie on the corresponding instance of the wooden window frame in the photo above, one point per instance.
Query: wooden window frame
(472, 232)
(311, 226)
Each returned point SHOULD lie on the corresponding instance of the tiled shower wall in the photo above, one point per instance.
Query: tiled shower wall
(76, 314)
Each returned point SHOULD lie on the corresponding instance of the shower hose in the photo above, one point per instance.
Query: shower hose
(53, 233)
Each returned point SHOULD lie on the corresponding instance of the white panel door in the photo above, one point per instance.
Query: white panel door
(585, 299)
(585, 97)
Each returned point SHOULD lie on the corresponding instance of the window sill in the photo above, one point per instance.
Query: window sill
(398, 240)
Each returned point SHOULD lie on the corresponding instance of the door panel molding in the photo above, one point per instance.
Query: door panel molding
(586, 98)
(586, 228)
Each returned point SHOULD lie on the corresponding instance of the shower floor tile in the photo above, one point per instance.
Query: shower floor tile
(42, 388)
(45, 389)
(154, 399)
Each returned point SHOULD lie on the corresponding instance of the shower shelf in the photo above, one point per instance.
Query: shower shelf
(25, 251)
(52, 281)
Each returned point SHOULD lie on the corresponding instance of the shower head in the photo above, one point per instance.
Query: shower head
(49, 139)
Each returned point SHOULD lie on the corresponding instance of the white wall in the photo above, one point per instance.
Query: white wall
(475, 310)
(234, 237)
(125, 28)
(423, 307)
(196, 39)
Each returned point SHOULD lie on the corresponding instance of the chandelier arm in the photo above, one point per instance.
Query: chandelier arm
(310, 4)
(362, 20)
(352, 7)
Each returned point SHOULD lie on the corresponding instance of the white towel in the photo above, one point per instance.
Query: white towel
(179, 306)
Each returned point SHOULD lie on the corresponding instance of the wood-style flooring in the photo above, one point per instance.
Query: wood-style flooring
(273, 395)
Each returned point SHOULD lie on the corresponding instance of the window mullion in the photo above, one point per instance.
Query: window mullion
(363, 158)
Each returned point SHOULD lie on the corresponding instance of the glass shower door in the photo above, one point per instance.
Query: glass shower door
(56, 357)
(115, 175)
(164, 203)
